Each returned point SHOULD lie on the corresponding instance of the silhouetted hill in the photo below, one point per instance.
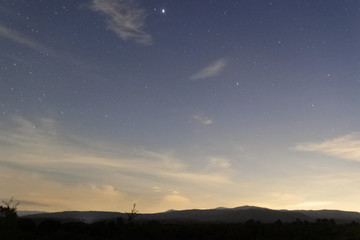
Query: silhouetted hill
(25, 213)
(230, 215)
(85, 216)
(332, 214)
(217, 215)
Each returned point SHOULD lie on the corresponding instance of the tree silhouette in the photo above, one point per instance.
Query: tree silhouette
(8, 215)
(8, 209)
(132, 214)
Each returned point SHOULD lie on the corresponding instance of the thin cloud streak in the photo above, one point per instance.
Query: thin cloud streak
(31, 203)
(124, 18)
(21, 39)
(346, 147)
(203, 119)
(65, 57)
(211, 70)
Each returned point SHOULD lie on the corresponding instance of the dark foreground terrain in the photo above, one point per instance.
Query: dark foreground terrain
(245, 223)
(27, 228)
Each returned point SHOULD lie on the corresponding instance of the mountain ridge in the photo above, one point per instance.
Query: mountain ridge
(215, 215)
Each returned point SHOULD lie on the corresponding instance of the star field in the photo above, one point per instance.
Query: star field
(179, 104)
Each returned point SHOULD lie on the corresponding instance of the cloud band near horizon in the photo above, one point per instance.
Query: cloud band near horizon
(346, 147)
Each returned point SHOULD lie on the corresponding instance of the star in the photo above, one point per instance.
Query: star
(163, 10)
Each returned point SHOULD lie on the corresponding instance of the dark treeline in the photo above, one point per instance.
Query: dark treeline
(25, 228)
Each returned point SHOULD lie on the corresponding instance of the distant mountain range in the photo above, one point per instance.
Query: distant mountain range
(217, 215)
(25, 213)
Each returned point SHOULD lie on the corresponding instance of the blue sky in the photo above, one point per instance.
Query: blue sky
(179, 104)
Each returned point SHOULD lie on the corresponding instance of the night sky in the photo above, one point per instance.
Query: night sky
(180, 104)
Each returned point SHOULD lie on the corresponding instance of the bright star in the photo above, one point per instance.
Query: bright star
(163, 10)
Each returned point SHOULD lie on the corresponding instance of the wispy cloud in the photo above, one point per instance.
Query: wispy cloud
(31, 204)
(124, 18)
(17, 37)
(211, 70)
(38, 46)
(203, 119)
(345, 147)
